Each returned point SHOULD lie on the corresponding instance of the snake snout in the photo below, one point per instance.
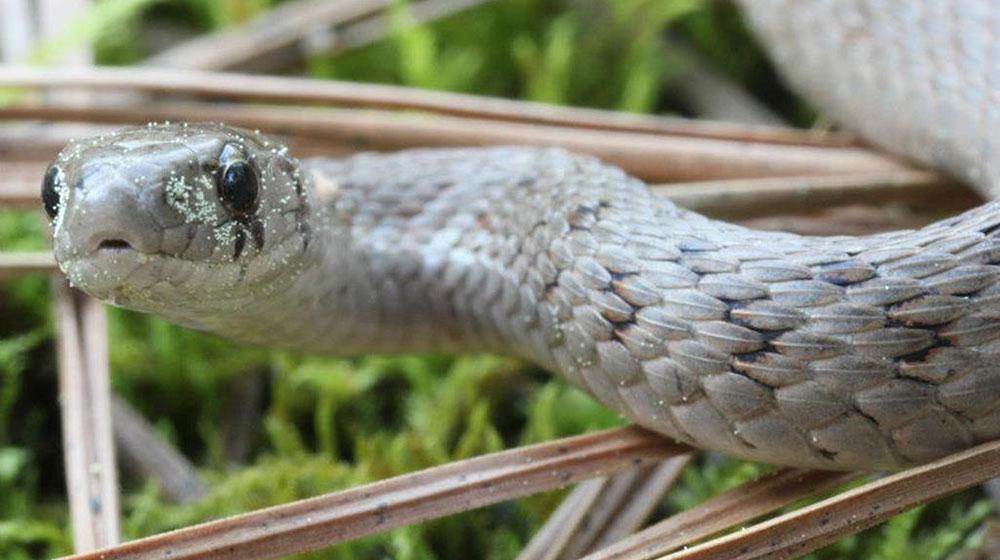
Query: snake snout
(118, 229)
(110, 218)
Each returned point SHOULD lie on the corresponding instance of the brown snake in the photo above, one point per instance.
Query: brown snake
(846, 353)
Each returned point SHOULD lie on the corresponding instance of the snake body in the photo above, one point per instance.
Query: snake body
(840, 353)
(920, 78)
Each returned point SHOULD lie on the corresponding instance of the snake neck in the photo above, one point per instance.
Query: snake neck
(437, 251)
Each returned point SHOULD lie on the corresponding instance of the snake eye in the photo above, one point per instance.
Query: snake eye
(238, 187)
(50, 191)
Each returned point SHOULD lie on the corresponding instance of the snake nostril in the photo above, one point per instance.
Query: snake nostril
(114, 245)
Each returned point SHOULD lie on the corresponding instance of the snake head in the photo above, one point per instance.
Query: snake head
(177, 218)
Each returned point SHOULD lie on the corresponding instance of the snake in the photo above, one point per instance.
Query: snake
(875, 352)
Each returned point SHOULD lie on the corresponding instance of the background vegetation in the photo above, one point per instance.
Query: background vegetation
(328, 423)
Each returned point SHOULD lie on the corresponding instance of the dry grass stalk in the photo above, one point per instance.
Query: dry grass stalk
(280, 27)
(25, 157)
(799, 532)
(20, 184)
(552, 539)
(20, 264)
(295, 27)
(736, 507)
(24, 148)
(662, 158)
(375, 96)
(594, 506)
(82, 347)
(377, 27)
(84, 397)
(632, 514)
(144, 453)
(242, 417)
(768, 196)
(319, 522)
(625, 503)
(854, 219)
(710, 94)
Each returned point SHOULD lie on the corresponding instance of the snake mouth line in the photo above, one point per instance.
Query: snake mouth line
(115, 245)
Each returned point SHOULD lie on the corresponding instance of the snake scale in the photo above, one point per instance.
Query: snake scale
(869, 352)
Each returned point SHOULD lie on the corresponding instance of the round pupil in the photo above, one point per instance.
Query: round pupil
(50, 191)
(238, 188)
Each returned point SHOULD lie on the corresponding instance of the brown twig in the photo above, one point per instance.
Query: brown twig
(84, 397)
(732, 508)
(747, 198)
(654, 158)
(319, 522)
(804, 530)
(375, 96)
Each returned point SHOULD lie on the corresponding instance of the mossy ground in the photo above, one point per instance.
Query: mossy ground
(327, 423)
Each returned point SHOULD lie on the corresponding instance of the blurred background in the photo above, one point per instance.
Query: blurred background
(265, 427)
